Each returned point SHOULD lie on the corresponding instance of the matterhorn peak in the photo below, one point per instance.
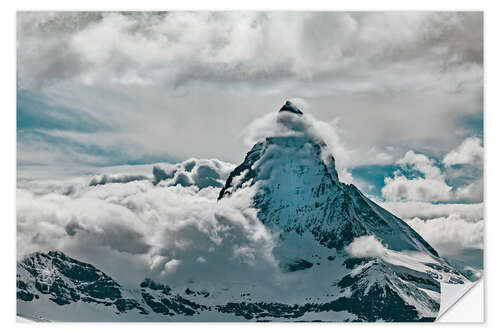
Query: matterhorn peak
(290, 107)
(298, 190)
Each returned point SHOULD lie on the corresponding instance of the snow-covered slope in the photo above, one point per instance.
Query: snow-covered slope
(338, 255)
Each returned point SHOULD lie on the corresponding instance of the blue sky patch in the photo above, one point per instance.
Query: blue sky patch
(36, 111)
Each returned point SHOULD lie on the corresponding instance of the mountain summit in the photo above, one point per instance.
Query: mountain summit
(298, 190)
(290, 107)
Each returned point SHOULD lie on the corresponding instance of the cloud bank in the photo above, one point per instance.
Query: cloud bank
(456, 231)
(199, 172)
(450, 235)
(160, 230)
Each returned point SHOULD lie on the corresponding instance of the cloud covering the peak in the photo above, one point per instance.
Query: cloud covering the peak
(288, 124)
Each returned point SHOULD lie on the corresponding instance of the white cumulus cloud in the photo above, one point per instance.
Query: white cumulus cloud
(419, 189)
(430, 186)
(366, 246)
(470, 151)
(428, 182)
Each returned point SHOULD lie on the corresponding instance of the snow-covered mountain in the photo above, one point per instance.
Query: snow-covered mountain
(341, 257)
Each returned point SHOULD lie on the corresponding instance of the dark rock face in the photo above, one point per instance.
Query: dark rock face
(263, 310)
(378, 303)
(297, 265)
(66, 280)
(150, 284)
(124, 305)
(171, 306)
(23, 292)
(290, 107)
(160, 299)
(372, 292)
(244, 169)
(202, 293)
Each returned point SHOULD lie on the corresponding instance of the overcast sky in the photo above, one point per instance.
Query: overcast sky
(398, 94)
(98, 89)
